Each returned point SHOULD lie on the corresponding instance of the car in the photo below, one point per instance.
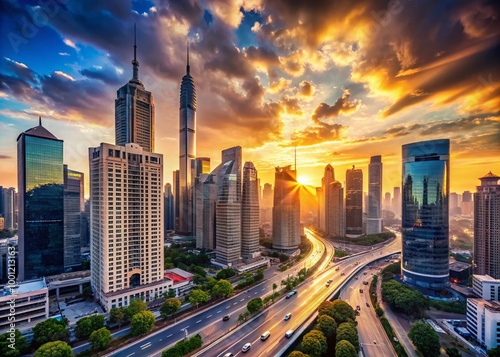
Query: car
(289, 333)
(225, 318)
(342, 274)
(365, 283)
(367, 305)
(358, 307)
(327, 285)
(290, 294)
(337, 269)
(361, 290)
(246, 347)
(229, 355)
(374, 342)
(330, 281)
(356, 278)
(365, 273)
(288, 316)
(265, 335)
(395, 339)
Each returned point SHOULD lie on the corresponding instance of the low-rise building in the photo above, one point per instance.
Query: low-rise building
(483, 321)
(486, 287)
(23, 303)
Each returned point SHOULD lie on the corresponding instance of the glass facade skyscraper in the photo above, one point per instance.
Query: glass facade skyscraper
(425, 213)
(354, 202)
(374, 214)
(73, 212)
(187, 152)
(41, 204)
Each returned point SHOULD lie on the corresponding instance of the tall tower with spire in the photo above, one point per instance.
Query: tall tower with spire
(187, 152)
(135, 111)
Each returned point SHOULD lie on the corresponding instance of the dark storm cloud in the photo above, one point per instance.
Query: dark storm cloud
(343, 105)
(20, 89)
(20, 70)
(107, 75)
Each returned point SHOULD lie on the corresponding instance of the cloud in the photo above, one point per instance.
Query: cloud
(71, 44)
(64, 54)
(306, 89)
(343, 105)
(19, 69)
(107, 75)
(323, 132)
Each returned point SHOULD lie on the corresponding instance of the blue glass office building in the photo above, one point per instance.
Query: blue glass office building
(425, 252)
(41, 204)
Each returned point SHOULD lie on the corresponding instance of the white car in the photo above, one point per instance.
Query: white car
(246, 347)
(288, 316)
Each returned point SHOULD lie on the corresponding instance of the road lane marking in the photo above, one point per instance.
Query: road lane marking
(185, 328)
(161, 339)
(219, 311)
(133, 353)
(263, 289)
(169, 335)
(198, 321)
(242, 299)
(233, 304)
(228, 307)
(255, 293)
(146, 345)
(209, 316)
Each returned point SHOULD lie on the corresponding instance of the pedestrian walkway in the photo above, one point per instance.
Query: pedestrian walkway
(399, 331)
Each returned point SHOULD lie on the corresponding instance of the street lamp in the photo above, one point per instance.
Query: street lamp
(185, 333)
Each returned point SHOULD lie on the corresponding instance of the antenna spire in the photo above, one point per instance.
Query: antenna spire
(187, 58)
(40, 120)
(135, 63)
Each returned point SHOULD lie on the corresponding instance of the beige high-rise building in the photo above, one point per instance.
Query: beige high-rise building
(126, 224)
(336, 222)
(328, 178)
(250, 213)
(487, 227)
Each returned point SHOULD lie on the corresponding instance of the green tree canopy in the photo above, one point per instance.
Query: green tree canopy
(198, 296)
(494, 352)
(403, 299)
(135, 306)
(170, 306)
(342, 311)
(51, 330)
(225, 273)
(142, 322)
(297, 354)
(222, 288)
(20, 345)
(344, 348)
(326, 308)
(453, 352)
(255, 305)
(327, 325)
(85, 326)
(100, 339)
(117, 315)
(314, 343)
(54, 349)
(425, 339)
(347, 331)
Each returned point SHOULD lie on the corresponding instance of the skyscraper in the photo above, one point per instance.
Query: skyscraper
(396, 201)
(187, 151)
(168, 207)
(426, 175)
(336, 222)
(387, 201)
(73, 210)
(286, 209)
(228, 208)
(487, 227)
(354, 202)
(41, 203)
(1, 202)
(250, 213)
(374, 214)
(328, 178)
(320, 198)
(467, 205)
(126, 224)
(8, 207)
(135, 111)
(266, 205)
(176, 193)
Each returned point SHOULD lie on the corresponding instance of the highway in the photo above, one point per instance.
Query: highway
(208, 322)
(372, 337)
(301, 306)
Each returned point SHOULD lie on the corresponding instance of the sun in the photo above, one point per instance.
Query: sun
(304, 180)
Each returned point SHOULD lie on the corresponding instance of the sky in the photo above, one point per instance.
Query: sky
(335, 81)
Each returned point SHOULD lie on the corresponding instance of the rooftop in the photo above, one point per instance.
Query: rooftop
(24, 288)
(486, 278)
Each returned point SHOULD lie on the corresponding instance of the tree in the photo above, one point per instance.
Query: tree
(87, 325)
(100, 339)
(297, 354)
(51, 330)
(20, 347)
(326, 308)
(342, 311)
(169, 307)
(453, 352)
(347, 331)
(142, 322)
(117, 315)
(327, 325)
(344, 348)
(314, 343)
(225, 274)
(425, 339)
(274, 288)
(169, 294)
(198, 296)
(255, 305)
(223, 288)
(135, 306)
(494, 352)
(54, 349)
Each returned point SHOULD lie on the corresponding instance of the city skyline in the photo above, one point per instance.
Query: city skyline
(256, 89)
